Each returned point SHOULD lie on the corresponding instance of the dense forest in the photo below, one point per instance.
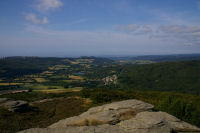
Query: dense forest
(181, 76)
(11, 67)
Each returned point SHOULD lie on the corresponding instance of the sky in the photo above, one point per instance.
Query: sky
(99, 27)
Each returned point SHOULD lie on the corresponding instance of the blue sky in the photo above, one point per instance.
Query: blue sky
(99, 27)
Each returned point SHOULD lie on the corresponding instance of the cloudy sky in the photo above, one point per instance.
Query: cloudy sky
(99, 27)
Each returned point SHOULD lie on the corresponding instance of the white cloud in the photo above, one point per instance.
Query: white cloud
(145, 29)
(90, 38)
(47, 5)
(181, 34)
(35, 20)
(135, 28)
(129, 27)
(187, 33)
(179, 29)
(84, 42)
(43, 6)
(45, 20)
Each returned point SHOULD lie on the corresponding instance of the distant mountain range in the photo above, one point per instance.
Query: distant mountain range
(160, 58)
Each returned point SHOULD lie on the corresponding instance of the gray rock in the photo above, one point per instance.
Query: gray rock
(3, 100)
(157, 120)
(13, 105)
(82, 129)
(93, 129)
(130, 116)
(106, 114)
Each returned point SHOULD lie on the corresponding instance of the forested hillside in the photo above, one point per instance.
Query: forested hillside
(12, 67)
(169, 76)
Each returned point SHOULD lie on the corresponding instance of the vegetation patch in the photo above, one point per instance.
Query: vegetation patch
(41, 115)
(75, 77)
(127, 115)
(7, 84)
(88, 122)
(77, 89)
(40, 80)
(42, 87)
(74, 62)
(69, 81)
(59, 67)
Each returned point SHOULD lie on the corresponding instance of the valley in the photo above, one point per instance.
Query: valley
(57, 88)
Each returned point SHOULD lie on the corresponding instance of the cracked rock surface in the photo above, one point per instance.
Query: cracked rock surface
(129, 116)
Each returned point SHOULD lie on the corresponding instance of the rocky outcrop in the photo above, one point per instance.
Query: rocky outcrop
(14, 105)
(106, 114)
(130, 116)
(156, 121)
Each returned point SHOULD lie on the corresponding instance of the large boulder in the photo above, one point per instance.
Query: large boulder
(130, 116)
(14, 105)
(106, 114)
(156, 121)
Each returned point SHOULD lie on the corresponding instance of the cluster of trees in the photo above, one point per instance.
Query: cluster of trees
(185, 110)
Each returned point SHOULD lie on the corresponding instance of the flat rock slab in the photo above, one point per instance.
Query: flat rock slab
(13, 105)
(129, 116)
(106, 114)
(157, 120)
